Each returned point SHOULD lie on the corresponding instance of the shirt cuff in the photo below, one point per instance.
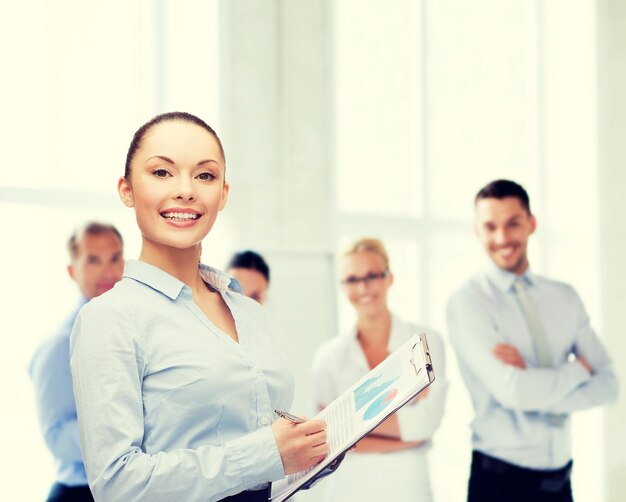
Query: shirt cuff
(257, 458)
(578, 372)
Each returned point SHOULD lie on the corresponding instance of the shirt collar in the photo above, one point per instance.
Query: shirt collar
(504, 280)
(218, 279)
(395, 338)
(169, 285)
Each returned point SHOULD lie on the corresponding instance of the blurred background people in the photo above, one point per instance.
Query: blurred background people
(529, 357)
(252, 272)
(96, 264)
(390, 463)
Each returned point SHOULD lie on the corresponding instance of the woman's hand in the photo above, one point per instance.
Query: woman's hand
(300, 445)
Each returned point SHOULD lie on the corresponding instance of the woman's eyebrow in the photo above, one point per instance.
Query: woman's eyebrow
(170, 161)
(202, 162)
(162, 157)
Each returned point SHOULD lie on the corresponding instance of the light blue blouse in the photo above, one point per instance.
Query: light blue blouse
(513, 406)
(169, 406)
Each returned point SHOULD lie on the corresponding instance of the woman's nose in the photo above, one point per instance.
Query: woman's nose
(185, 191)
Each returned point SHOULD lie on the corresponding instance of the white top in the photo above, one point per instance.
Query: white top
(398, 476)
(513, 406)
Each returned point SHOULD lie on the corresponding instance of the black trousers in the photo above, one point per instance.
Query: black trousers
(493, 480)
(64, 493)
(256, 496)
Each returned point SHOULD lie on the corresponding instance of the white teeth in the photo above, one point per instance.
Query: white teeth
(180, 216)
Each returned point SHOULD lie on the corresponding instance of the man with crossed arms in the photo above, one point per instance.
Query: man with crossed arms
(529, 359)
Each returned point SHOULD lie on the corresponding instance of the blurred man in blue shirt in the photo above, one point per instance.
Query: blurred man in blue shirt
(529, 357)
(96, 264)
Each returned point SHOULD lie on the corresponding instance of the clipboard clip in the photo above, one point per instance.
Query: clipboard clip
(428, 365)
(412, 360)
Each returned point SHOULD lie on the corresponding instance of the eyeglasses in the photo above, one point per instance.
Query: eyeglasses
(352, 281)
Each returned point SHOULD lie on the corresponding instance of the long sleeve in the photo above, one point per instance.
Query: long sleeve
(602, 388)
(108, 367)
(56, 409)
(474, 336)
(419, 420)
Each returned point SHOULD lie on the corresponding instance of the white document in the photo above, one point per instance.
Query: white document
(361, 408)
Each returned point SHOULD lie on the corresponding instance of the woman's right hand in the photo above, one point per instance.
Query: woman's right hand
(300, 445)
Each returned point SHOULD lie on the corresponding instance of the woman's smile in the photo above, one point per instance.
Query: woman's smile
(181, 217)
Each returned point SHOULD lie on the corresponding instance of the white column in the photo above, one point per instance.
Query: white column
(612, 161)
(276, 115)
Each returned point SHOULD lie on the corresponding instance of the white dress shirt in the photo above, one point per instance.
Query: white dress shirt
(170, 408)
(513, 405)
(399, 476)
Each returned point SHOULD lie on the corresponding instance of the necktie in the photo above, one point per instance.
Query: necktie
(539, 337)
(534, 324)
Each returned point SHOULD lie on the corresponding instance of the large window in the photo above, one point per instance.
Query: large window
(81, 76)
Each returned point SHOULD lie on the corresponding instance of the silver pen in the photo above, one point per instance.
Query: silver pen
(288, 416)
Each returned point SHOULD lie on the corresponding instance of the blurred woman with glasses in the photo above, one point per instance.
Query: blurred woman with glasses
(390, 463)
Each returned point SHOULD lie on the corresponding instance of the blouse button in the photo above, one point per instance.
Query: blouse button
(264, 420)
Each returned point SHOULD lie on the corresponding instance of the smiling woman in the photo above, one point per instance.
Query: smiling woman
(168, 362)
(183, 190)
(404, 436)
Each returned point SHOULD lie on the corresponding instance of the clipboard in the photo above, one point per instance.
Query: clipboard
(366, 404)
